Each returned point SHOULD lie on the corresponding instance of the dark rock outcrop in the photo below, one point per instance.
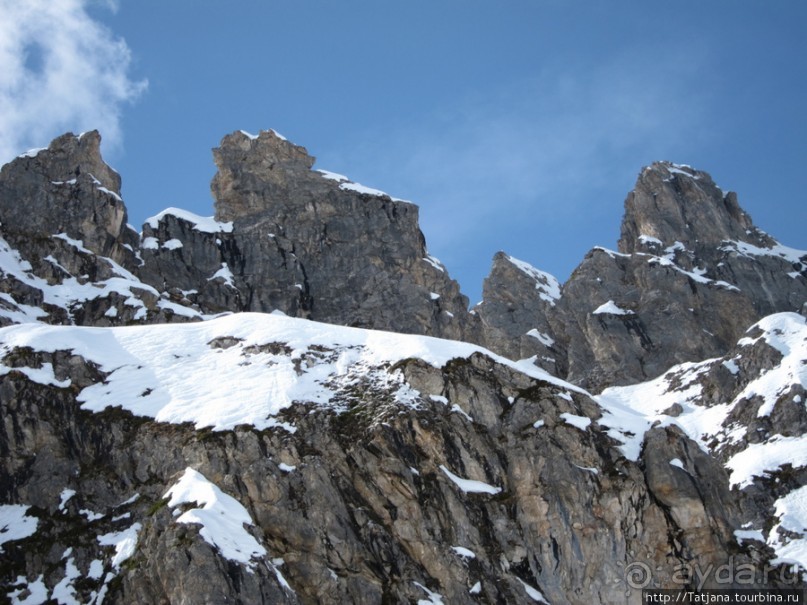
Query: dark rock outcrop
(68, 252)
(67, 189)
(517, 300)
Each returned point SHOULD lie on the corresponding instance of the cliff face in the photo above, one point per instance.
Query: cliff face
(264, 457)
(358, 467)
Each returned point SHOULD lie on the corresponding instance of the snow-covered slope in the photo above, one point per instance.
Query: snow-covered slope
(238, 369)
(747, 409)
(274, 375)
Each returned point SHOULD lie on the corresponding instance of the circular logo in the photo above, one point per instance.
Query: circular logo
(637, 575)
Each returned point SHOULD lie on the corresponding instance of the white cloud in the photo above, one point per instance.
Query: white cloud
(60, 70)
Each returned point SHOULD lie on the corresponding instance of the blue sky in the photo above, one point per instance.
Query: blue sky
(516, 126)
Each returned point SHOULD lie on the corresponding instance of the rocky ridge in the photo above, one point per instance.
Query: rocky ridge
(691, 274)
(260, 457)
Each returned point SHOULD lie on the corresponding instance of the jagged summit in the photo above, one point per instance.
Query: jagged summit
(676, 203)
(67, 188)
(69, 156)
(308, 243)
(260, 174)
(517, 300)
(313, 244)
(691, 274)
(256, 170)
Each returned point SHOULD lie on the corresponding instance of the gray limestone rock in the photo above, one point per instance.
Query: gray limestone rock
(517, 300)
(70, 254)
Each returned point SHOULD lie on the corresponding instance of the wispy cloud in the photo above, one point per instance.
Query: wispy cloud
(59, 70)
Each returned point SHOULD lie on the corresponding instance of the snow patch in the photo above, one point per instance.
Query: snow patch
(109, 192)
(629, 411)
(91, 515)
(748, 534)
(254, 137)
(697, 275)
(649, 240)
(150, 243)
(32, 153)
(457, 409)
(71, 291)
(332, 176)
(124, 541)
(76, 243)
(225, 274)
(611, 253)
(610, 308)
(43, 375)
(464, 552)
(791, 255)
(470, 486)
(64, 592)
(64, 498)
(580, 422)
(15, 524)
(364, 190)
(221, 516)
(544, 339)
(787, 333)
(533, 593)
(547, 285)
(205, 224)
(170, 372)
(435, 262)
(682, 169)
(37, 592)
(434, 598)
(759, 458)
(791, 511)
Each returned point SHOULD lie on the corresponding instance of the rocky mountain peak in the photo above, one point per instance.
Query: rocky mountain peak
(67, 157)
(677, 203)
(692, 273)
(517, 299)
(256, 170)
(310, 243)
(67, 189)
